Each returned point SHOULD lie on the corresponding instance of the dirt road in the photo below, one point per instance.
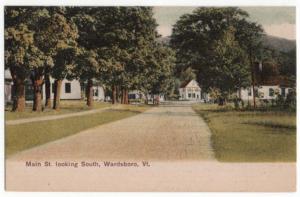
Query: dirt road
(164, 133)
(174, 141)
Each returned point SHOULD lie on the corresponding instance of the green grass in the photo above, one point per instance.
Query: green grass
(250, 136)
(66, 107)
(28, 135)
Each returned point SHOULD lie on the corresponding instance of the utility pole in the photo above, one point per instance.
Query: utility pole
(252, 77)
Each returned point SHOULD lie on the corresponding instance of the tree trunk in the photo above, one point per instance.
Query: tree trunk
(37, 88)
(123, 96)
(153, 102)
(146, 99)
(57, 86)
(114, 94)
(126, 97)
(19, 99)
(47, 91)
(18, 91)
(117, 94)
(89, 100)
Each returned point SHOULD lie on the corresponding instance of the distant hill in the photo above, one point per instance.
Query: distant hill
(277, 43)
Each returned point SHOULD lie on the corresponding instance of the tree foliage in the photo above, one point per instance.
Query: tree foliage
(116, 46)
(218, 44)
(22, 56)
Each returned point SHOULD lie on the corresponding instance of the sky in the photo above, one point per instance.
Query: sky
(276, 21)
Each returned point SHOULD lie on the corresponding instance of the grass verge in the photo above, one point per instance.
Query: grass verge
(28, 135)
(250, 136)
(66, 107)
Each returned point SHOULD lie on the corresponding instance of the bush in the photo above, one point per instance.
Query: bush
(290, 100)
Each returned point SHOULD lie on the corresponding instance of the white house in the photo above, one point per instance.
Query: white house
(74, 90)
(264, 92)
(70, 90)
(191, 90)
(98, 93)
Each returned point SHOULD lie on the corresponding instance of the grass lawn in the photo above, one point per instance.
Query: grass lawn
(250, 136)
(24, 136)
(66, 107)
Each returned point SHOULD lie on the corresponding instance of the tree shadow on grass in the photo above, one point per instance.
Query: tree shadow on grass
(271, 124)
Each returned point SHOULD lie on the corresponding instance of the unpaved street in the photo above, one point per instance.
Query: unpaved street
(162, 133)
(173, 139)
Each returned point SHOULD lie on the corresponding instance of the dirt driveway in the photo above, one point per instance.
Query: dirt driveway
(174, 141)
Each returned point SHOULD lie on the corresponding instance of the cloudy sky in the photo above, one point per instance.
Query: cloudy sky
(276, 21)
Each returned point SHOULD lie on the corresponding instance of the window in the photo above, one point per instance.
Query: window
(95, 92)
(190, 95)
(282, 91)
(131, 96)
(271, 92)
(29, 92)
(67, 87)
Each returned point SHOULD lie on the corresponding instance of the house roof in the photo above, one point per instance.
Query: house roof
(279, 80)
(184, 84)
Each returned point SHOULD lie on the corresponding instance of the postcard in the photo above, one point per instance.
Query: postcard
(150, 98)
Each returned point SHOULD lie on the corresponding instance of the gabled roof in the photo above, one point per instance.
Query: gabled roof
(184, 84)
(278, 80)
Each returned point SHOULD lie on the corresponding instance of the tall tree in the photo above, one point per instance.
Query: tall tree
(227, 67)
(62, 33)
(87, 67)
(142, 35)
(22, 57)
(250, 39)
(206, 35)
(158, 70)
(39, 23)
(124, 31)
(188, 74)
(64, 63)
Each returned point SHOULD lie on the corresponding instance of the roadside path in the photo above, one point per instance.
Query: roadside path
(55, 117)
